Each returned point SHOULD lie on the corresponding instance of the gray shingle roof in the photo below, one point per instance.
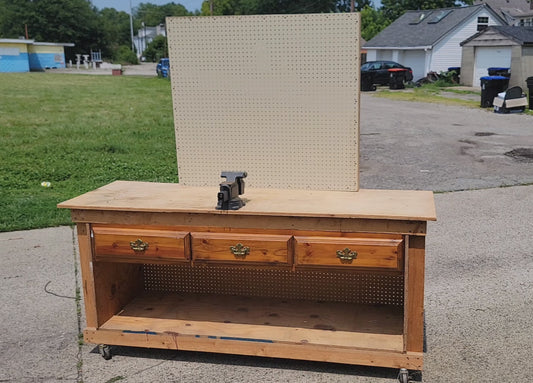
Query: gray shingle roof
(513, 8)
(522, 35)
(406, 32)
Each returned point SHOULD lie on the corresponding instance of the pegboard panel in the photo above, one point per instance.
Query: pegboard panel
(274, 95)
(331, 286)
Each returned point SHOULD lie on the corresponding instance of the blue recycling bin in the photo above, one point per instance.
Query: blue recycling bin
(499, 71)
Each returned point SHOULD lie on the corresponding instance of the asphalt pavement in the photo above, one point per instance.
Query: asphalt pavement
(479, 266)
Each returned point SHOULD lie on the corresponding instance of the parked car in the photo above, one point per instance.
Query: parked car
(163, 68)
(380, 71)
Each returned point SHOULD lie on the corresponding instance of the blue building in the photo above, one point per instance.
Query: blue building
(20, 55)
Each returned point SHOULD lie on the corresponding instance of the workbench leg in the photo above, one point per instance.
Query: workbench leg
(414, 295)
(87, 277)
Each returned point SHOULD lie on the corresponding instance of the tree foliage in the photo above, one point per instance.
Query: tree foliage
(124, 55)
(115, 27)
(229, 7)
(156, 49)
(51, 20)
(250, 7)
(108, 30)
(152, 14)
(78, 22)
(372, 22)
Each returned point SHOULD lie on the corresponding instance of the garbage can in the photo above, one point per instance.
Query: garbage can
(367, 81)
(456, 76)
(490, 87)
(397, 78)
(499, 71)
(529, 82)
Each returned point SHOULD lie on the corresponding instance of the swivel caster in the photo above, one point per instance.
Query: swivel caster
(105, 351)
(403, 376)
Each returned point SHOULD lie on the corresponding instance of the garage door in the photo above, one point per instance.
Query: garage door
(487, 57)
(417, 61)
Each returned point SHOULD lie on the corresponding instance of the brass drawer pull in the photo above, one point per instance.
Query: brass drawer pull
(139, 245)
(240, 251)
(346, 255)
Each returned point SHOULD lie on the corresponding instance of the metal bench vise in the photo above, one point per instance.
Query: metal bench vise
(228, 196)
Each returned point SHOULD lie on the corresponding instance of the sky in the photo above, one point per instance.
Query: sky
(124, 5)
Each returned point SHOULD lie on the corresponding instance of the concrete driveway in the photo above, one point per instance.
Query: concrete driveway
(479, 268)
(442, 148)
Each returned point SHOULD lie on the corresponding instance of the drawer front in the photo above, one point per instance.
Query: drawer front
(139, 245)
(381, 253)
(256, 248)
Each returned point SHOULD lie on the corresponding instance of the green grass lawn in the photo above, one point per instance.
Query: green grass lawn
(432, 94)
(78, 132)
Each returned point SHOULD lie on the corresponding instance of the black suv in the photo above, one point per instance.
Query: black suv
(380, 71)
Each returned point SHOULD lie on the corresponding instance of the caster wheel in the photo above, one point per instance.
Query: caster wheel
(403, 376)
(105, 351)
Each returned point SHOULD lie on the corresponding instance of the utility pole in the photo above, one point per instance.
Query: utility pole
(131, 29)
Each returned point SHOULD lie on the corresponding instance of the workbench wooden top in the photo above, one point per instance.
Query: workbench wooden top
(173, 198)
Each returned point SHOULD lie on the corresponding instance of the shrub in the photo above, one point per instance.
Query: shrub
(126, 56)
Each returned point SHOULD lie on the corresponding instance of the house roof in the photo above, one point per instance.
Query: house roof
(54, 44)
(522, 35)
(423, 29)
(33, 42)
(16, 41)
(509, 9)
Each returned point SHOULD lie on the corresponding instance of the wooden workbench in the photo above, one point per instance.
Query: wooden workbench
(315, 275)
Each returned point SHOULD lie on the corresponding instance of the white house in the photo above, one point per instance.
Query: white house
(145, 36)
(515, 12)
(429, 40)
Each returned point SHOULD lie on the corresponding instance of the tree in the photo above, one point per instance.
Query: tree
(125, 55)
(153, 15)
(393, 9)
(346, 5)
(247, 7)
(156, 49)
(373, 21)
(68, 21)
(230, 7)
(296, 6)
(115, 30)
(13, 18)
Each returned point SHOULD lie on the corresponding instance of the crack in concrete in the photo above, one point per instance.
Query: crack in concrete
(79, 355)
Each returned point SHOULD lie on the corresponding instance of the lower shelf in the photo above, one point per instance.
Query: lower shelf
(323, 331)
(263, 319)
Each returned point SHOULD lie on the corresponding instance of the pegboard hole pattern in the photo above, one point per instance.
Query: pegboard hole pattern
(274, 95)
(362, 288)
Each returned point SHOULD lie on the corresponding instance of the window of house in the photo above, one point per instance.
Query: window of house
(439, 16)
(482, 23)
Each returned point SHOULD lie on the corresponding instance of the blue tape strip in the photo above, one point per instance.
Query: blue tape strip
(139, 332)
(246, 339)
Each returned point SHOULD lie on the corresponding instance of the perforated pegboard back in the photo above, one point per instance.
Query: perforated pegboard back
(329, 286)
(274, 95)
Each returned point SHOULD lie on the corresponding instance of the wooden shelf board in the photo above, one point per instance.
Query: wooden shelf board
(263, 320)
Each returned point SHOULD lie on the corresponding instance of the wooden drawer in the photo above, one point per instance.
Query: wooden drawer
(226, 247)
(139, 245)
(379, 253)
